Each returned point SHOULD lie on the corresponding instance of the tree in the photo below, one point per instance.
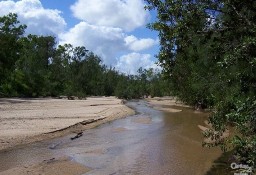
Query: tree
(208, 53)
(35, 58)
(32, 66)
(91, 74)
(10, 33)
(110, 80)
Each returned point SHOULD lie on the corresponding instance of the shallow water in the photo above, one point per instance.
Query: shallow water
(150, 142)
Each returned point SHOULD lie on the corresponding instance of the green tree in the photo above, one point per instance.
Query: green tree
(91, 75)
(110, 80)
(10, 33)
(33, 66)
(208, 53)
(36, 55)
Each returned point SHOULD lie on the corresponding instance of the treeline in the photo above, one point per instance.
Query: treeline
(208, 52)
(34, 66)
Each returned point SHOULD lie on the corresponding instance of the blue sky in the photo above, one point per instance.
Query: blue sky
(113, 29)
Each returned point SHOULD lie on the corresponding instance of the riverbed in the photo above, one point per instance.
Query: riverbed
(150, 142)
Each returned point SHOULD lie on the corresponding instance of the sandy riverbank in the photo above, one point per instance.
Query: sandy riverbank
(73, 115)
(28, 120)
(61, 166)
(168, 104)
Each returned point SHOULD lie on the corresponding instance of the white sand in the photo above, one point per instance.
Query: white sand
(24, 119)
(167, 104)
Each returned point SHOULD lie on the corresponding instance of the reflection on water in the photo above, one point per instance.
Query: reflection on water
(150, 142)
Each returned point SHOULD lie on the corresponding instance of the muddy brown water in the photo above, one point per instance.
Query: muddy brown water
(150, 142)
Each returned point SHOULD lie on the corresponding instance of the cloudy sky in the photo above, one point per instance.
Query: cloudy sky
(113, 29)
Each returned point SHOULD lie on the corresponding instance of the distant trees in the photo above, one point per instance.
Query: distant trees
(208, 51)
(147, 83)
(10, 48)
(33, 66)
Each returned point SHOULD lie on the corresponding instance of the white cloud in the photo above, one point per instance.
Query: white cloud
(104, 41)
(136, 44)
(107, 42)
(130, 63)
(124, 14)
(39, 20)
(102, 29)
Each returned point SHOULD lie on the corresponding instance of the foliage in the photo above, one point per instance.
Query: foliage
(147, 83)
(208, 53)
(10, 34)
(33, 66)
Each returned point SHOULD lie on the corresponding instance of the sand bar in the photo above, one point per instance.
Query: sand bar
(27, 120)
(168, 104)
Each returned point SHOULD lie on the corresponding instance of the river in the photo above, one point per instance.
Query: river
(150, 142)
